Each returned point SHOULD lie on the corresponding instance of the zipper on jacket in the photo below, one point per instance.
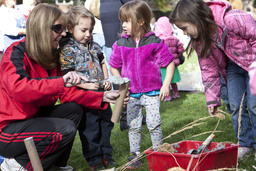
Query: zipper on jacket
(137, 63)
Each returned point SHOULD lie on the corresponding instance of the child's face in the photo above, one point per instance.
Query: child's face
(83, 31)
(189, 29)
(127, 27)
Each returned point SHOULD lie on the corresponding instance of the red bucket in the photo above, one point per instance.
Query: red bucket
(226, 157)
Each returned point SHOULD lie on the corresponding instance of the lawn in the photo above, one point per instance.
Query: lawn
(175, 115)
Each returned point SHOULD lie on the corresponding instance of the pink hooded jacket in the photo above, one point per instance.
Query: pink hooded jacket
(237, 41)
(163, 30)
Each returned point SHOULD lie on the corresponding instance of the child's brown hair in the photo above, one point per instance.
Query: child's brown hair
(75, 13)
(139, 13)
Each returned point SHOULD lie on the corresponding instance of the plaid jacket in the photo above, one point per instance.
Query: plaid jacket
(236, 42)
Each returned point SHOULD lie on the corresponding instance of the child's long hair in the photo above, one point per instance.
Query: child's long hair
(140, 15)
(197, 12)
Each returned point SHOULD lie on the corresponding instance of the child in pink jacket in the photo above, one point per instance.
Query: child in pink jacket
(163, 30)
(225, 42)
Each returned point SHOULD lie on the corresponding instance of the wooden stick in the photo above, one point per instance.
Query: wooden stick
(123, 89)
(33, 155)
(190, 162)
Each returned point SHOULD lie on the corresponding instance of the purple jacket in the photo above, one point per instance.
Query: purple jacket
(237, 42)
(141, 64)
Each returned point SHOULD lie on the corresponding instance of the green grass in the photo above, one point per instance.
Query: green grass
(175, 115)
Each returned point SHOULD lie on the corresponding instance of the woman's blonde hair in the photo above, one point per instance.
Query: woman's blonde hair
(77, 12)
(39, 34)
(139, 13)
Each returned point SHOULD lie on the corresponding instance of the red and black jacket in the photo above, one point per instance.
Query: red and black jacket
(26, 86)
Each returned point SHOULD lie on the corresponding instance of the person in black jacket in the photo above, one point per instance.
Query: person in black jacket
(111, 29)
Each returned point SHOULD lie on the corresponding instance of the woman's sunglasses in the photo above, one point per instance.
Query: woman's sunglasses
(58, 28)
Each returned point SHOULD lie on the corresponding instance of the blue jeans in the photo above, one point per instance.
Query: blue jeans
(224, 93)
(99, 38)
(238, 84)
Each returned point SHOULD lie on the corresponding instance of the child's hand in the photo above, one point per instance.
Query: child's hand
(89, 86)
(93, 86)
(107, 85)
(111, 96)
(213, 110)
(164, 92)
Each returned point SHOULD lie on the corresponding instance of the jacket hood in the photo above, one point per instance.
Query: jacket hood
(163, 28)
(219, 9)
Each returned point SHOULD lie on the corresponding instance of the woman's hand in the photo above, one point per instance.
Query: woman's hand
(111, 96)
(71, 79)
(213, 110)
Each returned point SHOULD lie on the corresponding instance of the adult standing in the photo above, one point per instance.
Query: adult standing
(12, 24)
(110, 23)
(112, 29)
(31, 82)
(26, 7)
(98, 36)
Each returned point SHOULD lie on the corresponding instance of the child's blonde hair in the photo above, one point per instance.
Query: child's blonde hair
(140, 15)
(77, 12)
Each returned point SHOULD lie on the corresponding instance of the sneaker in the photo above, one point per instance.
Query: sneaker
(97, 167)
(168, 98)
(244, 151)
(10, 164)
(109, 162)
(133, 161)
(175, 96)
(58, 168)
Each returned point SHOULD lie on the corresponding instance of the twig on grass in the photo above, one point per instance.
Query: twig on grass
(186, 127)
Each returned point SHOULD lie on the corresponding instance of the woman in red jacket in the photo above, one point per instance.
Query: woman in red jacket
(30, 83)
